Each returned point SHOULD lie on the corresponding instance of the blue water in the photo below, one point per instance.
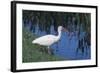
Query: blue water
(66, 46)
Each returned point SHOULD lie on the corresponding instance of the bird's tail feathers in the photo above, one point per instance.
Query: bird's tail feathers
(34, 42)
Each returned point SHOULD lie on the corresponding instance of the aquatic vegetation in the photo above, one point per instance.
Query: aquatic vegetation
(74, 44)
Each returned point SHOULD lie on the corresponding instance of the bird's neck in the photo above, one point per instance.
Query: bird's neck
(59, 35)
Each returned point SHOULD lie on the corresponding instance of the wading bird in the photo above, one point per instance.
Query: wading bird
(48, 40)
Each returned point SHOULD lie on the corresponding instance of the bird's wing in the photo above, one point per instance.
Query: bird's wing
(45, 40)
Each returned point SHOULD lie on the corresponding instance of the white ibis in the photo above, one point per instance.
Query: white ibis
(48, 40)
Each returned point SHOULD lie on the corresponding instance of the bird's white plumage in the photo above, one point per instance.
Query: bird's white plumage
(48, 40)
(45, 40)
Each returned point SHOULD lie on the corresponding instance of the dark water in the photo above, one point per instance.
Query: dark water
(66, 47)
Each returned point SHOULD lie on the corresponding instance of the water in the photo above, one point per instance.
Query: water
(66, 47)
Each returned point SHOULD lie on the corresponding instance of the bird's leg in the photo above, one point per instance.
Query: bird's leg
(49, 50)
(45, 49)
